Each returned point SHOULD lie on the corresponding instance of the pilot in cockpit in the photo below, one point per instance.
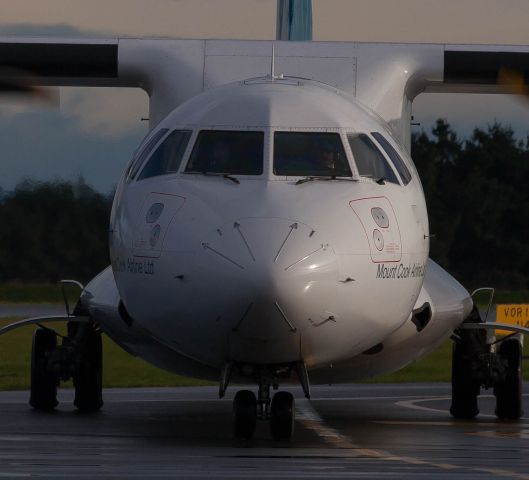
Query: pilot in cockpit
(329, 160)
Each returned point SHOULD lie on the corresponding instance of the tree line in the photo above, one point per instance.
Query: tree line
(477, 192)
(53, 230)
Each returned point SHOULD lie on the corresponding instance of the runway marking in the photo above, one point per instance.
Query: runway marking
(502, 473)
(521, 434)
(412, 404)
(312, 420)
(449, 423)
(68, 397)
(370, 398)
(13, 438)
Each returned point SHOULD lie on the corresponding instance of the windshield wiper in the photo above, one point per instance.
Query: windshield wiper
(227, 176)
(324, 178)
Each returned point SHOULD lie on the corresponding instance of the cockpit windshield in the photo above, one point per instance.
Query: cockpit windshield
(228, 152)
(369, 160)
(310, 154)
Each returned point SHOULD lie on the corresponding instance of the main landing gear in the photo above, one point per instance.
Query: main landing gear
(477, 363)
(79, 357)
(278, 410)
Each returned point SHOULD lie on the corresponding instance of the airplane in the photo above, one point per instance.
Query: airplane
(271, 225)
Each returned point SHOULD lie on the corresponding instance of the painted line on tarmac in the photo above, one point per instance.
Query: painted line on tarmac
(518, 434)
(312, 420)
(450, 423)
(413, 405)
(117, 398)
(370, 398)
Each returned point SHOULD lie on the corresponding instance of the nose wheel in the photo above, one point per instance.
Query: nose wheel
(279, 410)
(247, 409)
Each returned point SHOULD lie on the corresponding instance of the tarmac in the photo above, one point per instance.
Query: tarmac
(345, 431)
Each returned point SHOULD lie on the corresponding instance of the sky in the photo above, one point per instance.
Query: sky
(95, 131)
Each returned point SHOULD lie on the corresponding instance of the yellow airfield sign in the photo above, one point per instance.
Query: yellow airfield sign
(513, 314)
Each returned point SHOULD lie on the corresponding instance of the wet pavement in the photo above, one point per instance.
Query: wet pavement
(348, 431)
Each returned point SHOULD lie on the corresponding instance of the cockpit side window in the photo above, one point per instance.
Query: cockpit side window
(168, 156)
(143, 152)
(227, 151)
(401, 167)
(310, 154)
(369, 160)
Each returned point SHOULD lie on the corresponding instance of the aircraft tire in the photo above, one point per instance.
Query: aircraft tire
(282, 415)
(88, 380)
(244, 414)
(508, 392)
(43, 388)
(465, 389)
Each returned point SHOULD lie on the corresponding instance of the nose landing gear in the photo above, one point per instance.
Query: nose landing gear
(279, 410)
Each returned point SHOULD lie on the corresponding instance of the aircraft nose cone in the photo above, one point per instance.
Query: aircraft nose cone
(271, 278)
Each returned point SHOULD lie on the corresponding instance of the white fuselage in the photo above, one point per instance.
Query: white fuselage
(266, 271)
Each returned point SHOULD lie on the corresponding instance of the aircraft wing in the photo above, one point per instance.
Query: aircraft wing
(384, 76)
(90, 63)
(483, 69)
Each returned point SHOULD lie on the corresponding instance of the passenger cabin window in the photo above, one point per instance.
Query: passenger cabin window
(227, 151)
(369, 160)
(168, 156)
(401, 167)
(143, 152)
(310, 154)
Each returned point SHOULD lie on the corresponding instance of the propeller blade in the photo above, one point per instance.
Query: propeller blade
(18, 84)
(513, 82)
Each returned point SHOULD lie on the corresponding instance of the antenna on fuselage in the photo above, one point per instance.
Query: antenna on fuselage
(273, 75)
(272, 63)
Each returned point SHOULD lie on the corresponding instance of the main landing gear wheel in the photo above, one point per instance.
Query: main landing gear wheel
(465, 388)
(282, 413)
(508, 392)
(88, 379)
(43, 389)
(244, 414)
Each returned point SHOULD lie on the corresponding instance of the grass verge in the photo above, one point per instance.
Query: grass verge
(123, 370)
(120, 368)
(36, 293)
